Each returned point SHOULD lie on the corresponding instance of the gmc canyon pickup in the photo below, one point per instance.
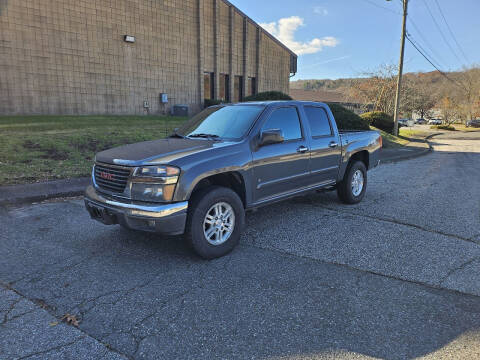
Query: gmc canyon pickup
(223, 161)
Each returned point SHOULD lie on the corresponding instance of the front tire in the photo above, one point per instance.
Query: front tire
(351, 189)
(215, 221)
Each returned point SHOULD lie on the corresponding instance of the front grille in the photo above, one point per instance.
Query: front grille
(111, 178)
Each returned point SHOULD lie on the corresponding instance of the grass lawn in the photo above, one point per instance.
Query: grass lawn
(462, 127)
(405, 136)
(42, 148)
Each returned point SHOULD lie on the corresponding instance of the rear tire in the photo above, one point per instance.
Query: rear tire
(215, 221)
(351, 189)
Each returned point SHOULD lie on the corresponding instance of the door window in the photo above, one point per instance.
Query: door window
(287, 120)
(318, 120)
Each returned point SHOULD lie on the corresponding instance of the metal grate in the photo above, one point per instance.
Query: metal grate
(111, 178)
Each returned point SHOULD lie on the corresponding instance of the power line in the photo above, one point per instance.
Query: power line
(423, 50)
(431, 63)
(451, 32)
(382, 7)
(421, 53)
(440, 30)
(428, 45)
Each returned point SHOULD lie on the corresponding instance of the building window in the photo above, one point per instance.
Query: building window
(208, 85)
(251, 86)
(224, 87)
(238, 89)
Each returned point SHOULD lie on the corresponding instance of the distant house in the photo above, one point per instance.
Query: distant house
(329, 97)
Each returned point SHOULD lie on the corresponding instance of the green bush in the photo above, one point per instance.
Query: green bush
(268, 95)
(443, 127)
(379, 120)
(211, 102)
(346, 119)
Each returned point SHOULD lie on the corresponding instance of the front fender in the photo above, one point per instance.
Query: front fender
(238, 161)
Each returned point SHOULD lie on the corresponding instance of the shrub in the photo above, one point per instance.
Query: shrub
(211, 102)
(379, 120)
(443, 127)
(268, 95)
(346, 119)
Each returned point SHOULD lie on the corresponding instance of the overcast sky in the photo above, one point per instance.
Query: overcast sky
(343, 38)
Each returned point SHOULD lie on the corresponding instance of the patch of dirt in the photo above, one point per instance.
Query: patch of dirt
(93, 145)
(29, 144)
(54, 154)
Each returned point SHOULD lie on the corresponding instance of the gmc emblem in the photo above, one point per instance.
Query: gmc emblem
(106, 176)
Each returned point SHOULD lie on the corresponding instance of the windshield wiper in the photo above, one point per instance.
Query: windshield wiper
(202, 135)
(176, 134)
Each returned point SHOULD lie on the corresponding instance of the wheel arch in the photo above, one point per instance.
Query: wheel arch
(361, 155)
(231, 179)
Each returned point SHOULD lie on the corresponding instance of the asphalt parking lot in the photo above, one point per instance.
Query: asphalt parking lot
(397, 276)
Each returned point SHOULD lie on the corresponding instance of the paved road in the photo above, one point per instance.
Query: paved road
(397, 276)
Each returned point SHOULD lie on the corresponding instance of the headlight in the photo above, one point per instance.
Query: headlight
(154, 183)
(156, 171)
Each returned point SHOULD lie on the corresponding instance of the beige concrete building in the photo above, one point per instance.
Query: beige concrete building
(119, 56)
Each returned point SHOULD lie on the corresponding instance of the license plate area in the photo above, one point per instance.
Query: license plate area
(102, 214)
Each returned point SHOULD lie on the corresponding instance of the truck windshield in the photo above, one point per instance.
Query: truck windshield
(225, 122)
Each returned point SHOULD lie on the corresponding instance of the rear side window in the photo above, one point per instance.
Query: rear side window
(318, 120)
(285, 119)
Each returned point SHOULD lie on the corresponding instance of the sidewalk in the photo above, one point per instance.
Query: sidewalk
(28, 193)
(413, 149)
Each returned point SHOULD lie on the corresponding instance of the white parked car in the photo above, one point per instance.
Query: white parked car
(435, 122)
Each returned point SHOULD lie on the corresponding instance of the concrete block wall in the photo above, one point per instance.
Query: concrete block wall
(70, 57)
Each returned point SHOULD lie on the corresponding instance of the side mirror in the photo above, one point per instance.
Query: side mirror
(271, 136)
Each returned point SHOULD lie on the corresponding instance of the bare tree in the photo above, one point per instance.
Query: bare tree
(450, 110)
(418, 97)
(468, 98)
(376, 88)
(457, 94)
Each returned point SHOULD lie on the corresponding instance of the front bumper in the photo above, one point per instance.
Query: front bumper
(167, 219)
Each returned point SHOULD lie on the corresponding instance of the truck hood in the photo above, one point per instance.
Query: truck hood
(162, 151)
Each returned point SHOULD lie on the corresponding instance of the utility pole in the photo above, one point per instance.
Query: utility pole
(400, 69)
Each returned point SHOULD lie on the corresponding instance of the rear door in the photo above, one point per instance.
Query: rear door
(281, 168)
(325, 148)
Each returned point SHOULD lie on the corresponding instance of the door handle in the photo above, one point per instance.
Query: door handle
(333, 144)
(302, 149)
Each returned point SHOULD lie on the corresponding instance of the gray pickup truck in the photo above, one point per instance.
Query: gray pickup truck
(223, 161)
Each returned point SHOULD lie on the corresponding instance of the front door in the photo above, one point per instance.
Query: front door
(281, 168)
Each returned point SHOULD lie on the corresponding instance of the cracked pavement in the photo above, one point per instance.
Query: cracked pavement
(397, 276)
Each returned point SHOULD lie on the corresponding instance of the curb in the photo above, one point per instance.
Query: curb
(29, 193)
(426, 151)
